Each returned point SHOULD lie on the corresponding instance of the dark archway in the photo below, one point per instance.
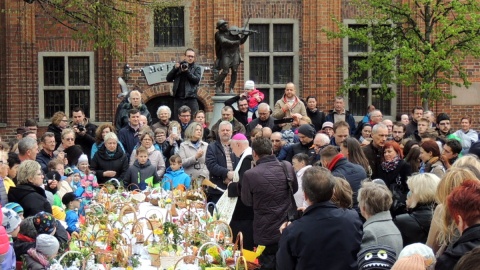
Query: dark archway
(158, 101)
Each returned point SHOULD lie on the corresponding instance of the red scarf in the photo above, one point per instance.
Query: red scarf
(334, 161)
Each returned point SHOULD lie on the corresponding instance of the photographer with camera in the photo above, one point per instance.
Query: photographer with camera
(84, 131)
(185, 77)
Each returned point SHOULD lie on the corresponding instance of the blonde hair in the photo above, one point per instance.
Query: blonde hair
(57, 118)
(374, 198)
(27, 171)
(466, 160)
(67, 131)
(423, 187)
(453, 178)
(342, 193)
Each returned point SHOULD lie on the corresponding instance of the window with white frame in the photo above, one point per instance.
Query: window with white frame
(368, 93)
(66, 81)
(272, 55)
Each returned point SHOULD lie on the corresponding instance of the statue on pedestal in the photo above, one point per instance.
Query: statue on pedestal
(227, 51)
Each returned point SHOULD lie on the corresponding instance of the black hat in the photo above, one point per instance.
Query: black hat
(69, 197)
(441, 117)
(376, 257)
(53, 176)
(307, 130)
(475, 149)
(73, 154)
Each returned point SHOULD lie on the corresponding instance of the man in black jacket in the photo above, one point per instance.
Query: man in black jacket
(242, 113)
(84, 130)
(185, 77)
(264, 119)
(374, 150)
(265, 188)
(339, 165)
(220, 161)
(339, 230)
(306, 133)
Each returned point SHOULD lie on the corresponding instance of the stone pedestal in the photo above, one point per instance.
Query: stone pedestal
(218, 101)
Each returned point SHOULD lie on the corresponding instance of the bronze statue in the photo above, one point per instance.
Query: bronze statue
(227, 50)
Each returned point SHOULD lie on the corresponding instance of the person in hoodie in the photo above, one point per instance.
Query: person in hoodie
(141, 173)
(175, 175)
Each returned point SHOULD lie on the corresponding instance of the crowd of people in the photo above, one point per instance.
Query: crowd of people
(318, 189)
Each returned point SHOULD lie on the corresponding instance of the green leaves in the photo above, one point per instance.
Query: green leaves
(419, 43)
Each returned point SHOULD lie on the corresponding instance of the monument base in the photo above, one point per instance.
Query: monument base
(218, 104)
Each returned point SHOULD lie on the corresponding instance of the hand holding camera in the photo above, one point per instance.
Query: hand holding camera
(184, 66)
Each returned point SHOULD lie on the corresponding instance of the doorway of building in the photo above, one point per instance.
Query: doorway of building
(156, 102)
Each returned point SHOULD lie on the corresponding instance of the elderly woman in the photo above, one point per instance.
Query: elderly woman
(467, 135)
(442, 229)
(374, 201)
(29, 192)
(59, 123)
(193, 151)
(163, 114)
(110, 160)
(415, 224)
(102, 130)
(67, 140)
(155, 156)
(430, 156)
(463, 205)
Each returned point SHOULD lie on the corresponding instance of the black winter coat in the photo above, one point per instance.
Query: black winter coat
(32, 198)
(374, 156)
(102, 162)
(403, 170)
(265, 188)
(326, 237)
(469, 240)
(317, 117)
(193, 76)
(242, 117)
(299, 148)
(415, 225)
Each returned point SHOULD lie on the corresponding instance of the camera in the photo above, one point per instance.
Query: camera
(184, 65)
(81, 127)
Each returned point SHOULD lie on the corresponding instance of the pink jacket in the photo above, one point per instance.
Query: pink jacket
(252, 101)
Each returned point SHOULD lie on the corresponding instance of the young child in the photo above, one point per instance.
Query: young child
(72, 204)
(175, 174)
(142, 172)
(11, 222)
(76, 180)
(46, 248)
(56, 165)
(89, 180)
(254, 98)
(15, 207)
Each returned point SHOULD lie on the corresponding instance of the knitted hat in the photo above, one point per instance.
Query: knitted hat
(307, 130)
(11, 220)
(287, 135)
(15, 207)
(69, 197)
(27, 228)
(239, 137)
(327, 124)
(441, 117)
(44, 223)
(418, 248)
(376, 257)
(53, 176)
(249, 85)
(47, 244)
(58, 213)
(82, 158)
(413, 262)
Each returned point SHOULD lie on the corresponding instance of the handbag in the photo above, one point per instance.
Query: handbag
(399, 197)
(292, 212)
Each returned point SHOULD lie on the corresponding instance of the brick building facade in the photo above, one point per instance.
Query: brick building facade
(290, 46)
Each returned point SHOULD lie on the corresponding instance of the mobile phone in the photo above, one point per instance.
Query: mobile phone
(174, 130)
(283, 121)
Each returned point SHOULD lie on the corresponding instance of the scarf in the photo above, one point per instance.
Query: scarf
(196, 144)
(389, 166)
(334, 161)
(38, 257)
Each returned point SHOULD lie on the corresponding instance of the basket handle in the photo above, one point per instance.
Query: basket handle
(238, 243)
(240, 260)
(133, 185)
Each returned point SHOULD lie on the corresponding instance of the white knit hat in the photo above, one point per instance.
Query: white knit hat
(82, 158)
(47, 244)
(249, 85)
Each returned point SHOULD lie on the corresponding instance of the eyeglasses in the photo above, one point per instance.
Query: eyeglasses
(64, 120)
(70, 139)
(190, 56)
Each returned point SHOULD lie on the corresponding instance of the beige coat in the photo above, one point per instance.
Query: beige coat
(298, 107)
(193, 167)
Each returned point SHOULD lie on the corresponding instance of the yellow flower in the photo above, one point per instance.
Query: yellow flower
(158, 231)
